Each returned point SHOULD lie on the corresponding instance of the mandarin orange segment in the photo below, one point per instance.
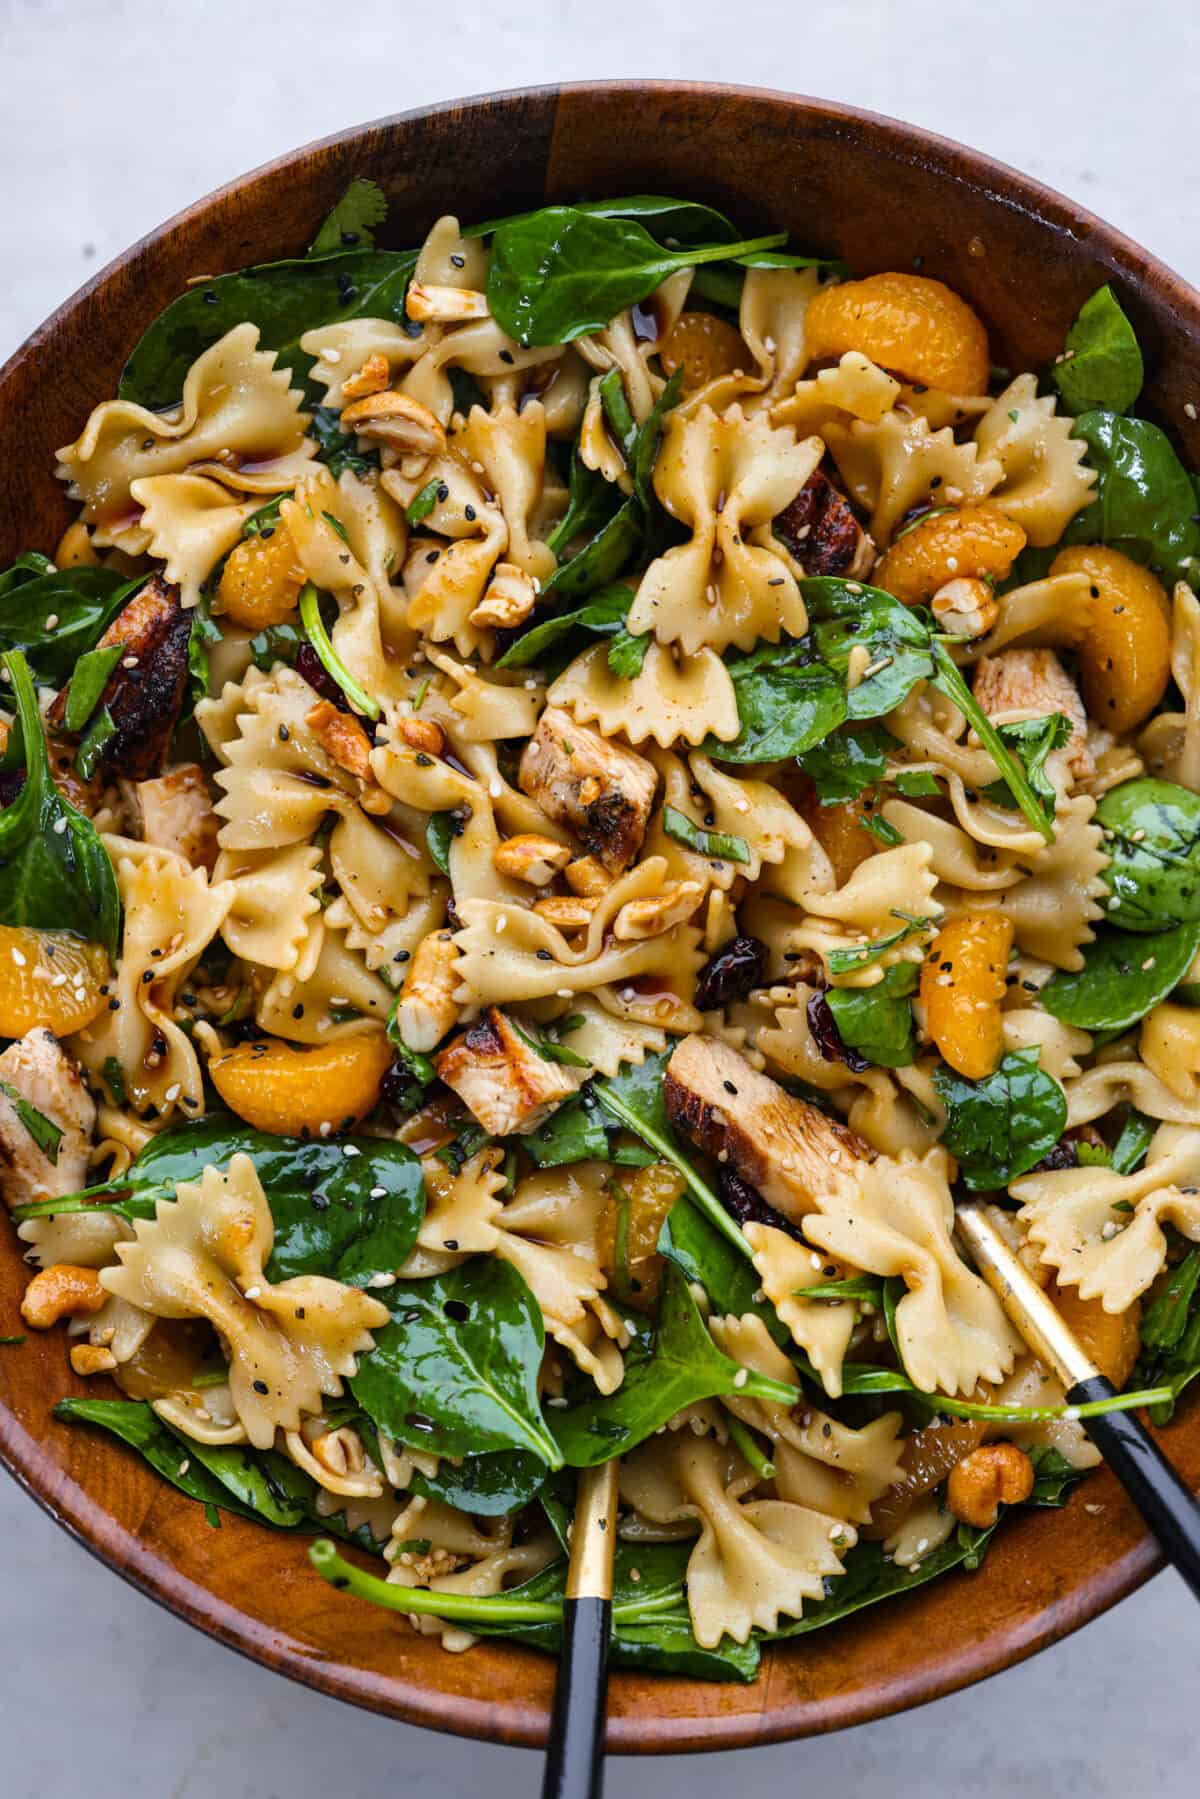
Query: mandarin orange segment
(297, 1092)
(705, 348)
(49, 978)
(962, 985)
(839, 830)
(907, 324)
(1125, 656)
(974, 541)
(261, 581)
(1111, 1339)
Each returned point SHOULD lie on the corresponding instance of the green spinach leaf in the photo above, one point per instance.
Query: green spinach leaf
(55, 873)
(870, 1574)
(348, 1207)
(704, 1254)
(1145, 502)
(605, 555)
(788, 701)
(1123, 977)
(1152, 835)
(591, 502)
(878, 1021)
(1129, 1150)
(665, 1370)
(349, 225)
(455, 1372)
(561, 272)
(719, 844)
(57, 615)
(1171, 1335)
(602, 616)
(284, 299)
(45, 1133)
(1054, 1476)
(846, 614)
(848, 763)
(488, 1486)
(1102, 363)
(1001, 1126)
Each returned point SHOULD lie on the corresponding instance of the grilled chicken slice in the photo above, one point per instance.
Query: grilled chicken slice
(601, 790)
(176, 813)
(822, 533)
(145, 691)
(509, 1087)
(1036, 683)
(787, 1150)
(41, 1073)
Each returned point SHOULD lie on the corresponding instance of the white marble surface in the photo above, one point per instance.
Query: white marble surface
(116, 114)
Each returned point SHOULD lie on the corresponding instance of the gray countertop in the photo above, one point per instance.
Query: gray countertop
(117, 114)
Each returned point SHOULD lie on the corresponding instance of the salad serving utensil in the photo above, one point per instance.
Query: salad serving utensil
(1164, 1501)
(575, 1751)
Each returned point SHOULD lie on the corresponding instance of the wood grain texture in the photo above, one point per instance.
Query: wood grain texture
(882, 195)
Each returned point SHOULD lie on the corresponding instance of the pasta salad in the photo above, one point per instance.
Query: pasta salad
(565, 792)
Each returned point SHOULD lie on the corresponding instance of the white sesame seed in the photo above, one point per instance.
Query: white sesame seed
(378, 1192)
(740, 1378)
(60, 825)
(52, 621)
(350, 1150)
(129, 661)
(324, 1128)
(331, 355)
(563, 993)
(382, 1280)
(19, 958)
(185, 1464)
(1189, 407)
(253, 1292)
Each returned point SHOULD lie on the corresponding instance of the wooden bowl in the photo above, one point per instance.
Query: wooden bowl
(882, 195)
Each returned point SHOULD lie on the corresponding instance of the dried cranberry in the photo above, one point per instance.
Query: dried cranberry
(731, 973)
(1061, 1156)
(828, 1038)
(310, 666)
(747, 1205)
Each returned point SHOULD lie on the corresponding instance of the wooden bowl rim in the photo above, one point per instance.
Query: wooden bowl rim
(84, 1519)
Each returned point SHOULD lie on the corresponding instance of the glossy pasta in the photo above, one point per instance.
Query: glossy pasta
(571, 841)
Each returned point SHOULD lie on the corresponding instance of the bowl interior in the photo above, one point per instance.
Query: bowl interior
(881, 195)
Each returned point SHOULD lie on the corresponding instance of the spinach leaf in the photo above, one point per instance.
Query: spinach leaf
(423, 504)
(787, 701)
(564, 271)
(668, 220)
(88, 683)
(1152, 835)
(338, 449)
(549, 1049)
(667, 1369)
(1123, 977)
(848, 763)
(455, 1372)
(878, 1021)
(276, 643)
(1000, 1126)
(488, 1486)
(914, 784)
(1129, 1150)
(45, 1133)
(869, 1574)
(284, 299)
(135, 1422)
(1171, 1335)
(54, 871)
(1102, 363)
(644, 449)
(627, 653)
(702, 1253)
(1031, 741)
(260, 1485)
(348, 226)
(863, 955)
(348, 1207)
(1145, 503)
(602, 616)
(591, 501)
(635, 1097)
(1053, 1476)
(705, 843)
(576, 1132)
(846, 614)
(57, 615)
(440, 832)
(605, 555)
